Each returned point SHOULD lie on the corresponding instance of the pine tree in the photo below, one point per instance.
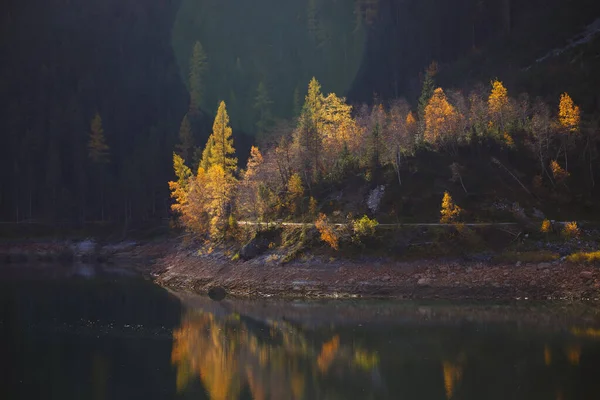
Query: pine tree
(198, 67)
(222, 146)
(186, 139)
(262, 104)
(98, 150)
(426, 94)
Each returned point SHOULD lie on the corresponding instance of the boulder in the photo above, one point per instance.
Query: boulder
(254, 248)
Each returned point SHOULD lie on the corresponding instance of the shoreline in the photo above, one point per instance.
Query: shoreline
(175, 266)
(371, 279)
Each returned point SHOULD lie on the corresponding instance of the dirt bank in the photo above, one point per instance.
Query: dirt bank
(426, 279)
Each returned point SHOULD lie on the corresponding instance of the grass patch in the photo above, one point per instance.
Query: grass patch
(538, 256)
(581, 257)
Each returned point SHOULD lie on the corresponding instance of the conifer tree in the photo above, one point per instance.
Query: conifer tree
(205, 161)
(262, 104)
(186, 139)
(98, 150)
(440, 118)
(222, 149)
(198, 67)
(426, 94)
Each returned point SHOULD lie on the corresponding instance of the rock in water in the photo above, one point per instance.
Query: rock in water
(217, 293)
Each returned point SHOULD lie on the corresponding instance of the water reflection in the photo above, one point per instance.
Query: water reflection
(228, 355)
(271, 360)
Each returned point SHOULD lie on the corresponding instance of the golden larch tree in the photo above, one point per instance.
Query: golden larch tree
(222, 149)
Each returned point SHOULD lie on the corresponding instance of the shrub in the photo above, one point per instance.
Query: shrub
(571, 230)
(546, 226)
(365, 226)
(327, 231)
(590, 257)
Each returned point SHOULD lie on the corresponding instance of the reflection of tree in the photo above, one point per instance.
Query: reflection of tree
(452, 375)
(276, 362)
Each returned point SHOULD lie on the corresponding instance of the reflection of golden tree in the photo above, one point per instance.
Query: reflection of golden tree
(227, 356)
(573, 354)
(547, 356)
(452, 375)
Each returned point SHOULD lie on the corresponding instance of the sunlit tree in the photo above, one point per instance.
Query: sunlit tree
(441, 118)
(426, 94)
(221, 148)
(449, 211)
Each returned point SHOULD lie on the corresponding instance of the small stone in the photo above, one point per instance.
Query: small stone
(424, 282)
(386, 278)
(546, 271)
(586, 274)
(469, 270)
(518, 264)
(505, 274)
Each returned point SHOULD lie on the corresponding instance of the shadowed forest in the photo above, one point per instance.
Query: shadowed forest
(91, 114)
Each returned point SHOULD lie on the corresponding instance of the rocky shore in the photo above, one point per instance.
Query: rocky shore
(424, 279)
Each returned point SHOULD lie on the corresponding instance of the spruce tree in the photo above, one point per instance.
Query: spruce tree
(262, 103)
(426, 94)
(186, 139)
(198, 67)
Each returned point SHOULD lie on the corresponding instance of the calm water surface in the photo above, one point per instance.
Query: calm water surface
(82, 332)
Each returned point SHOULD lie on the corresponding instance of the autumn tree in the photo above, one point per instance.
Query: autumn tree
(398, 135)
(221, 142)
(499, 109)
(248, 197)
(295, 191)
(98, 152)
(198, 68)
(180, 187)
(220, 185)
(569, 119)
(441, 119)
(186, 140)
(540, 135)
(449, 211)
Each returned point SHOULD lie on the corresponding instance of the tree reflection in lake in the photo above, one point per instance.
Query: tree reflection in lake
(227, 355)
(273, 360)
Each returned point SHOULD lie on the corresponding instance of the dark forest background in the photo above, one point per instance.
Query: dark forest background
(64, 61)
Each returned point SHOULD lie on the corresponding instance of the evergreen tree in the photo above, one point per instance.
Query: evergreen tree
(205, 162)
(426, 94)
(297, 102)
(262, 104)
(198, 67)
(186, 139)
(222, 148)
(97, 147)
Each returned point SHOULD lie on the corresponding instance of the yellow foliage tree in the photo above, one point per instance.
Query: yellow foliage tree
(441, 118)
(546, 226)
(295, 192)
(449, 211)
(569, 115)
(221, 142)
(498, 108)
(558, 172)
(220, 186)
(328, 234)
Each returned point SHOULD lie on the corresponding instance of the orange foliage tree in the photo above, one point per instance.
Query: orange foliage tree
(441, 119)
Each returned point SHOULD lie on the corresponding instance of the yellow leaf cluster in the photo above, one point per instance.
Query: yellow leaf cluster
(546, 226)
(557, 171)
(571, 230)
(569, 114)
(449, 211)
(440, 117)
(498, 99)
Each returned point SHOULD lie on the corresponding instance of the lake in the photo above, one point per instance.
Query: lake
(85, 332)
